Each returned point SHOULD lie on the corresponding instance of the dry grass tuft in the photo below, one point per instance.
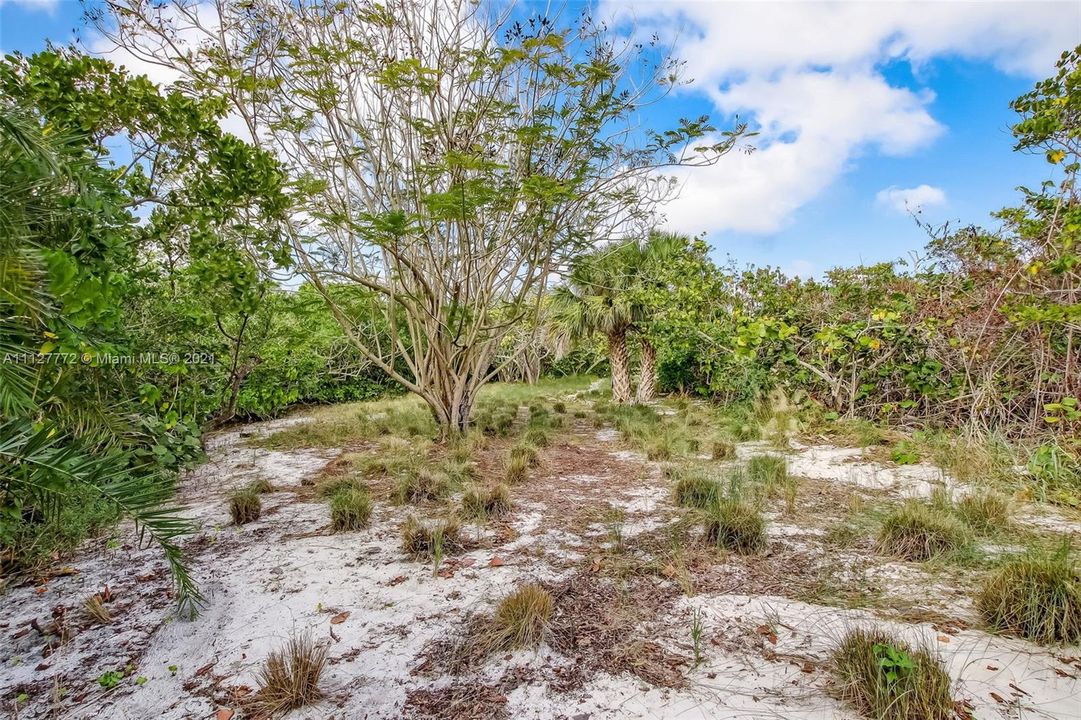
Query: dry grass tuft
(261, 486)
(1037, 596)
(537, 437)
(426, 541)
(521, 619)
(722, 450)
(96, 610)
(919, 531)
(289, 678)
(984, 512)
(517, 469)
(525, 451)
(245, 506)
(886, 679)
(350, 508)
(420, 485)
(734, 525)
(480, 503)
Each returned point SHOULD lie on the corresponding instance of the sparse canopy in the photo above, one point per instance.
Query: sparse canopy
(443, 155)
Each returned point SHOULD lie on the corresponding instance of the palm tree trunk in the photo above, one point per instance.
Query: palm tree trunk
(621, 371)
(647, 373)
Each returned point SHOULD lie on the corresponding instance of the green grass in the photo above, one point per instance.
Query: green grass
(886, 679)
(1036, 596)
(769, 471)
(921, 531)
(350, 509)
(694, 488)
(421, 485)
(516, 469)
(735, 525)
(986, 512)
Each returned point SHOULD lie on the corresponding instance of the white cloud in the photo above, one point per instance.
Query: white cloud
(804, 269)
(910, 200)
(809, 74)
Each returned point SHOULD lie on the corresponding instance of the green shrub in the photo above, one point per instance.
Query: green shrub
(1036, 596)
(734, 525)
(244, 506)
(350, 509)
(885, 679)
(919, 531)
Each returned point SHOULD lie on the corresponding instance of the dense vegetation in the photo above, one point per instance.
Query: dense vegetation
(162, 277)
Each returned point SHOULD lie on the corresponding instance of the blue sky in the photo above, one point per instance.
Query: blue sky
(862, 106)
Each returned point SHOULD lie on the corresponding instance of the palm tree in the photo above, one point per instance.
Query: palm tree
(649, 261)
(598, 297)
(51, 444)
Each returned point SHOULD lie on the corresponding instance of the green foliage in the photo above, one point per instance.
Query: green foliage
(694, 488)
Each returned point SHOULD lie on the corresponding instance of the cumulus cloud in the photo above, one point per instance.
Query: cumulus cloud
(809, 77)
(908, 200)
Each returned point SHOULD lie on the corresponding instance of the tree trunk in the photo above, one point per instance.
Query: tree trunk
(647, 377)
(621, 373)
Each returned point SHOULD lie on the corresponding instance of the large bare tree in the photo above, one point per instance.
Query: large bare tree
(446, 155)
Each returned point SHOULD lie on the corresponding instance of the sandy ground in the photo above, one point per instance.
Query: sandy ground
(621, 641)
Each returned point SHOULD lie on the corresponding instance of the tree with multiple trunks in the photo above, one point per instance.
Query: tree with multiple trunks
(447, 156)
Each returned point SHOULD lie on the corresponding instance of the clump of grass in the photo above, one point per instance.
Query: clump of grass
(261, 486)
(770, 471)
(660, 447)
(517, 469)
(350, 509)
(693, 488)
(984, 512)
(1036, 596)
(424, 541)
(421, 485)
(521, 619)
(921, 531)
(481, 503)
(245, 506)
(96, 610)
(886, 679)
(526, 452)
(536, 436)
(559, 406)
(735, 525)
(722, 450)
(289, 678)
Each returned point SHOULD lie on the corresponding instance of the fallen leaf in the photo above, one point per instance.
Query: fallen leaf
(204, 669)
(224, 714)
(1018, 689)
(997, 698)
(340, 618)
(397, 580)
(808, 667)
(468, 562)
(496, 561)
(943, 638)
(992, 667)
